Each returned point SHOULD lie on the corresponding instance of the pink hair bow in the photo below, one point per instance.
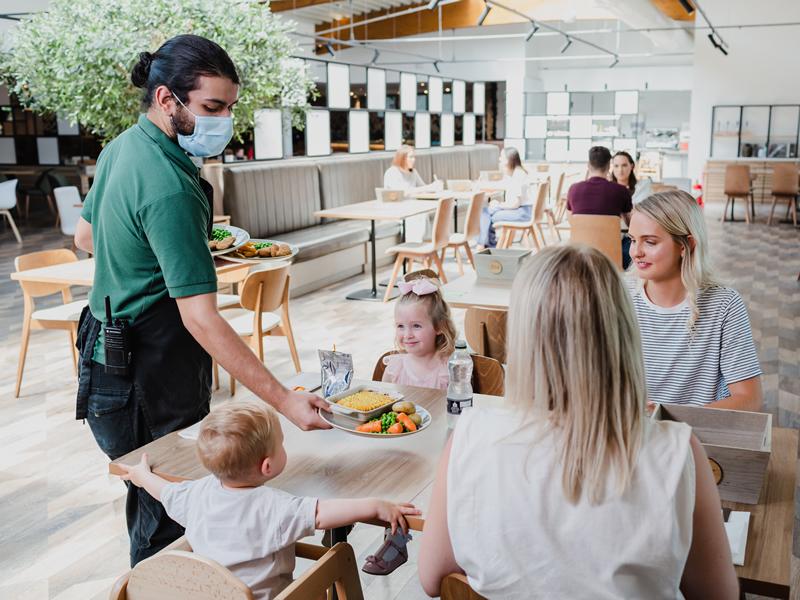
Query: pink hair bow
(419, 286)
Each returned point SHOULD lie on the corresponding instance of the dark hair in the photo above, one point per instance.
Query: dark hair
(599, 157)
(632, 177)
(178, 63)
(513, 159)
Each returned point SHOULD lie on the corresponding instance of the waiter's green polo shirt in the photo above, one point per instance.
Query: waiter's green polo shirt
(149, 219)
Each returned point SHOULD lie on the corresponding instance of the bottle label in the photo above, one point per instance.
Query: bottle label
(454, 407)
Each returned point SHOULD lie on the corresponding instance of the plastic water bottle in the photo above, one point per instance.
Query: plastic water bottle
(459, 389)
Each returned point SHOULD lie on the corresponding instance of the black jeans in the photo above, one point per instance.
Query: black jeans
(118, 424)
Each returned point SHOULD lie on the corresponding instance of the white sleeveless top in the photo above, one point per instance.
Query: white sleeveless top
(517, 537)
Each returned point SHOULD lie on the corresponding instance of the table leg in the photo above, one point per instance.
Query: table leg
(371, 294)
(385, 282)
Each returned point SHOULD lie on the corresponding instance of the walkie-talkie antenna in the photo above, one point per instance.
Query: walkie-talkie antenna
(108, 311)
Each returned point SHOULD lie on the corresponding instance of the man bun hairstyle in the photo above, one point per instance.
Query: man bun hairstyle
(178, 63)
(599, 157)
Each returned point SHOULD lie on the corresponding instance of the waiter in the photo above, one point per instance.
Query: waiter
(147, 219)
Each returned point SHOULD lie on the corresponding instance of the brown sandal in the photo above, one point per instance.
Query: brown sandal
(375, 564)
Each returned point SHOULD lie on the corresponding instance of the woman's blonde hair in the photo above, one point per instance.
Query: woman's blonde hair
(401, 155)
(439, 312)
(574, 359)
(680, 216)
(236, 436)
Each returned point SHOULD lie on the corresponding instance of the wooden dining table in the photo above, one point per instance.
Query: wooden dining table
(468, 291)
(81, 272)
(330, 464)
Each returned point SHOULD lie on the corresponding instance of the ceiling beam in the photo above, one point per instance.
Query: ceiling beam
(673, 9)
(284, 5)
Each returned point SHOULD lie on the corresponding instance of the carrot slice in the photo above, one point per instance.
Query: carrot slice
(396, 428)
(407, 423)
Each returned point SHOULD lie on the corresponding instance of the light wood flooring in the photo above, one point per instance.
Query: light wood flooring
(62, 530)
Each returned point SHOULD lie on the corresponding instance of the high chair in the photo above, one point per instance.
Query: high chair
(177, 573)
(262, 294)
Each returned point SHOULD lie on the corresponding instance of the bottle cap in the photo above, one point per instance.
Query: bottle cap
(460, 344)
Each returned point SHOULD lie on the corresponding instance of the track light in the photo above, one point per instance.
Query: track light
(567, 45)
(533, 31)
(614, 64)
(717, 45)
(329, 48)
(433, 4)
(436, 66)
(687, 6)
(375, 56)
(484, 14)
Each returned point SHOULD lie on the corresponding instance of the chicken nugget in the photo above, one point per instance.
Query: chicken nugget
(263, 252)
(212, 244)
(226, 243)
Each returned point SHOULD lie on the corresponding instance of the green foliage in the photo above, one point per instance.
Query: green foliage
(75, 59)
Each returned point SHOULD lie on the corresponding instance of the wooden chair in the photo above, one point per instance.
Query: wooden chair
(485, 331)
(231, 280)
(178, 573)
(785, 177)
(488, 376)
(506, 230)
(737, 185)
(64, 317)
(554, 213)
(472, 227)
(599, 231)
(424, 252)
(456, 587)
(263, 293)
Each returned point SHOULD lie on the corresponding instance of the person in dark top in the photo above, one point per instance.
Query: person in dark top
(599, 196)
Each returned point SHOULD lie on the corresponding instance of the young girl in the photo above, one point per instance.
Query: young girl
(425, 336)
(568, 490)
(696, 338)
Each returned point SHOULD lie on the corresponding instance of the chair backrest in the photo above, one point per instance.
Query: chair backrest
(472, 227)
(265, 290)
(559, 187)
(485, 330)
(490, 176)
(337, 568)
(488, 376)
(8, 194)
(442, 222)
(181, 575)
(737, 180)
(68, 202)
(43, 258)
(429, 273)
(599, 231)
(459, 185)
(785, 178)
(377, 372)
(541, 200)
(456, 587)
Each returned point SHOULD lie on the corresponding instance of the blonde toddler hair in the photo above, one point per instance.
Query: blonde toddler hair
(236, 436)
(439, 312)
(574, 359)
(680, 216)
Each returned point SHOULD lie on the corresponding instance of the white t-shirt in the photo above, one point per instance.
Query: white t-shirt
(514, 187)
(396, 178)
(643, 189)
(696, 367)
(251, 531)
(517, 538)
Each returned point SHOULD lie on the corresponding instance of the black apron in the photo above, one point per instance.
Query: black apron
(170, 371)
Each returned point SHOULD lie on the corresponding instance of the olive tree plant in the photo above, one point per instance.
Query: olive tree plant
(75, 58)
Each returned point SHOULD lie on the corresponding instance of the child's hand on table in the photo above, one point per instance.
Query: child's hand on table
(138, 473)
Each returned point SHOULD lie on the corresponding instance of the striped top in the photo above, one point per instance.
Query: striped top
(695, 368)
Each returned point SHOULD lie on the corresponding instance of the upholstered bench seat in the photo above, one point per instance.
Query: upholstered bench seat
(325, 239)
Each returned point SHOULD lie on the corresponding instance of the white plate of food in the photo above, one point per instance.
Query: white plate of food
(256, 251)
(387, 424)
(226, 238)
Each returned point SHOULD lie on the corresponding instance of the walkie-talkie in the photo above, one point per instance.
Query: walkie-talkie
(117, 344)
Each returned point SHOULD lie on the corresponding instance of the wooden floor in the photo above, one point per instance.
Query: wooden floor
(62, 529)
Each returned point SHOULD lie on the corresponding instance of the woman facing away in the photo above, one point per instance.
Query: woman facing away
(568, 490)
(403, 176)
(696, 338)
(622, 166)
(517, 205)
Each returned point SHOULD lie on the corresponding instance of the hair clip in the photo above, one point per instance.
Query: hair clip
(420, 287)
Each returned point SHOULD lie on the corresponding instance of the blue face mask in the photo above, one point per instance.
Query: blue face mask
(210, 135)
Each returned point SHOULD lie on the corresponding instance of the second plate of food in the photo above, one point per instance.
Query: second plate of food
(389, 424)
(257, 251)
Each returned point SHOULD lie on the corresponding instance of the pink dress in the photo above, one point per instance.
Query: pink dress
(400, 370)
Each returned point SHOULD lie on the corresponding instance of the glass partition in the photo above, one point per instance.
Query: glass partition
(783, 127)
(754, 131)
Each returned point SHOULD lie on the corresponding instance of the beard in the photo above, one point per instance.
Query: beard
(181, 122)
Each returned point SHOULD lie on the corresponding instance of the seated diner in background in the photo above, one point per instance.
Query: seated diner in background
(599, 196)
(622, 167)
(403, 176)
(597, 500)
(696, 338)
(516, 207)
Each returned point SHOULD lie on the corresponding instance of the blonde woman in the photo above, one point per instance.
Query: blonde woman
(696, 339)
(569, 491)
